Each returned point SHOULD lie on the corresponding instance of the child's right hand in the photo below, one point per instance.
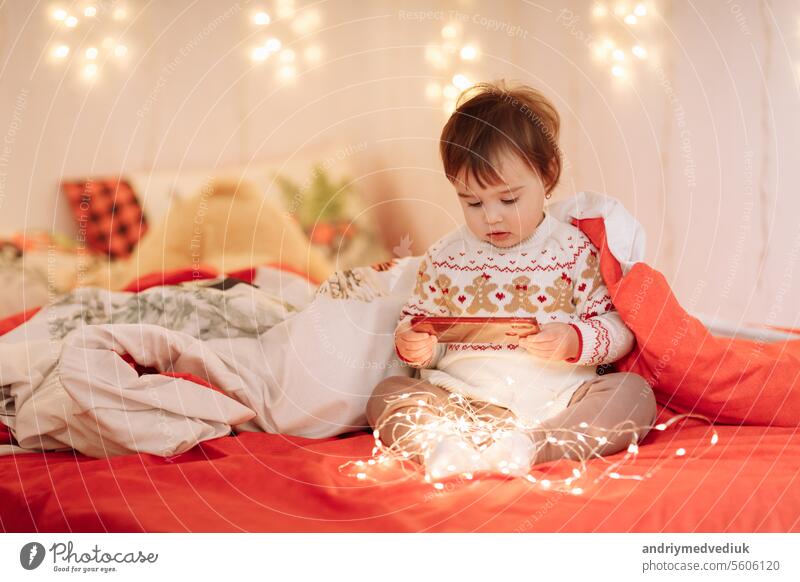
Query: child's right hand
(415, 347)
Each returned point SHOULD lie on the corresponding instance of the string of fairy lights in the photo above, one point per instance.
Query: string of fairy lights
(452, 58)
(622, 33)
(423, 426)
(88, 35)
(419, 428)
(291, 27)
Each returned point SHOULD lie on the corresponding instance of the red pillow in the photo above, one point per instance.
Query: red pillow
(108, 213)
(731, 381)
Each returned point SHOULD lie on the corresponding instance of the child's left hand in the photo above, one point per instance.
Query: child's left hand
(556, 341)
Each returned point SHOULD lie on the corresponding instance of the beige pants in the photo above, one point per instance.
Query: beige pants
(620, 407)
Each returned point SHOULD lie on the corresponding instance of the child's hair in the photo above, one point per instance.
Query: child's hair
(491, 118)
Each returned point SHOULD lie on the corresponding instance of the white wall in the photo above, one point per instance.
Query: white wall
(700, 144)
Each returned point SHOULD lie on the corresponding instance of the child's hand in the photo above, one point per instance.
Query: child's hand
(556, 341)
(415, 347)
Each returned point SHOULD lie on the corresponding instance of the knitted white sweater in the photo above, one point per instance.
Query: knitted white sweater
(553, 275)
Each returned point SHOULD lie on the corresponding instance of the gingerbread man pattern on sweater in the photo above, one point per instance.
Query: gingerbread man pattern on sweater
(553, 275)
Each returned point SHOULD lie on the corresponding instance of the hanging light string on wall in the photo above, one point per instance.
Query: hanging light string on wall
(98, 45)
(292, 24)
(451, 57)
(623, 30)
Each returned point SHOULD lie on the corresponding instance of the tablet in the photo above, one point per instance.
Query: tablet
(476, 330)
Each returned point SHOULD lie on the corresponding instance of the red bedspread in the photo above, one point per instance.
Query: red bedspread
(260, 482)
(748, 481)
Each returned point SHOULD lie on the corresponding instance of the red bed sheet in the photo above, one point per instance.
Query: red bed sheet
(748, 481)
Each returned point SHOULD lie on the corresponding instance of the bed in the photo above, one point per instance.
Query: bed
(740, 474)
(256, 482)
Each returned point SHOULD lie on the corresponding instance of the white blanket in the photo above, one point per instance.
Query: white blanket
(284, 361)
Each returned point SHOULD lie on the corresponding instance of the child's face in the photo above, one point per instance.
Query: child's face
(508, 212)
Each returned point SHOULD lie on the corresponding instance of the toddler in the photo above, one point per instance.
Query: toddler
(511, 258)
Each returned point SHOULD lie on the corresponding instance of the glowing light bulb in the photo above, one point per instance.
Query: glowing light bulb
(461, 81)
(71, 22)
(469, 53)
(680, 452)
(273, 45)
(449, 31)
(714, 439)
(577, 491)
(639, 52)
(59, 14)
(61, 51)
(261, 19)
(640, 10)
(90, 11)
(287, 73)
(90, 71)
(287, 56)
(618, 54)
(620, 9)
(630, 19)
(599, 10)
(633, 448)
(618, 71)
(120, 50)
(259, 53)
(91, 53)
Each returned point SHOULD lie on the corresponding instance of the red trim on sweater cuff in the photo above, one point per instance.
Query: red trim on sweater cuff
(580, 345)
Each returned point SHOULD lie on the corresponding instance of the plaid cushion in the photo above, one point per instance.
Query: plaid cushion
(109, 216)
